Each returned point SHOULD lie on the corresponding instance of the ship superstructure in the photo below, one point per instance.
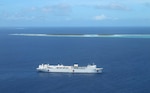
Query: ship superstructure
(69, 69)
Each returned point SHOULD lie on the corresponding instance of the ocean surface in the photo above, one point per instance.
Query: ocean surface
(126, 61)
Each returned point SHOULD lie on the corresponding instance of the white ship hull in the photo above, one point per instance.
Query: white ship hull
(69, 69)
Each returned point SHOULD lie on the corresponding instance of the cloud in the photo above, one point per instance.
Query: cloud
(58, 9)
(38, 13)
(33, 9)
(104, 17)
(13, 16)
(47, 9)
(100, 17)
(28, 10)
(61, 9)
(112, 6)
(16, 17)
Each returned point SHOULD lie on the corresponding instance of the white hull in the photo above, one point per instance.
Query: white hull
(68, 69)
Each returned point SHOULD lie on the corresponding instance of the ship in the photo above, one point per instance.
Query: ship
(60, 68)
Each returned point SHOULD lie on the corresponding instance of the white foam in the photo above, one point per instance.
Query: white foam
(89, 35)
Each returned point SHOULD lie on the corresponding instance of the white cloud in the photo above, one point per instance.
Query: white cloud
(46, 9)
(104, 17)
(57, 9)
(13, 17)
(35, 13)
(112, 6)
(29, 10)
(100, 17)
(61, 9)
(33, 8)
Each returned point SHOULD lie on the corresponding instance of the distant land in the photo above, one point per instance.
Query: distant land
(90, 35)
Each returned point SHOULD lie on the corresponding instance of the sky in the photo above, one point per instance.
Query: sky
(74, 13)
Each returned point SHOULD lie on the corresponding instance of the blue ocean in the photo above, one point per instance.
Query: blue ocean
(126, 61)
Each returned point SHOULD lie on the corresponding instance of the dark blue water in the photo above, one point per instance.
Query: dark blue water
(126, 61)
